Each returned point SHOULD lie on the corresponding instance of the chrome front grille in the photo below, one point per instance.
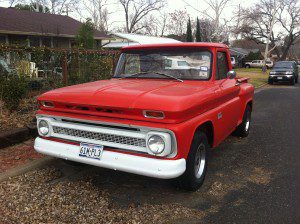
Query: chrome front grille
(124, 140)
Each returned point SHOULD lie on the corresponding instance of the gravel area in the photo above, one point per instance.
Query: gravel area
(17, 155)
(45, 200)
(19, 118)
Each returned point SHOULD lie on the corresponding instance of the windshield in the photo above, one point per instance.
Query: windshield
(284, 64)
(181, 64)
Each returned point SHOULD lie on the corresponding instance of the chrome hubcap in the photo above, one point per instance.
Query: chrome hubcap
(247, 125)
(200, 161)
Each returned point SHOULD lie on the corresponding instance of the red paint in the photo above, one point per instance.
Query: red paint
(186, 105)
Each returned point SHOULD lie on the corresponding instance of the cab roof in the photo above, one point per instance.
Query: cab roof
(176, 45)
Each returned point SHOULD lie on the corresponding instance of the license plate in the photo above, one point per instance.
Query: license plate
(91, 150)
(279, 77)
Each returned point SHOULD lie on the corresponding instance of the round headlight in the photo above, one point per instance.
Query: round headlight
(43, 127)
(156, 144)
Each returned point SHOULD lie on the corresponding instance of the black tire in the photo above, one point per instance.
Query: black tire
(244, 128)
(296, 80)
(247, 66)
(270, 82)
(194, 175)
(292, 82)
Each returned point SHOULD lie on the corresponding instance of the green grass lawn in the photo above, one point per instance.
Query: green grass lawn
(257, 77)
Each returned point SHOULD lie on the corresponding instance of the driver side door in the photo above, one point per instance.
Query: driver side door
(230, 103)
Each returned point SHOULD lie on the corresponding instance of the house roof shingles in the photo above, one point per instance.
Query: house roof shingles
(15, 21)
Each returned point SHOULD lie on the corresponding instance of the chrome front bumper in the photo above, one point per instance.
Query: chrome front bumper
(159, 168)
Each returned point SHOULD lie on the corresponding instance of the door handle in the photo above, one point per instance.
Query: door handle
(238, 83)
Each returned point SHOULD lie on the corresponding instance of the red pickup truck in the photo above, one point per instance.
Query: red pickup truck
(165, 107)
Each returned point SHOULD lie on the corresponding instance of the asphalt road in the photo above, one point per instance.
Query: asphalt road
(252, 180)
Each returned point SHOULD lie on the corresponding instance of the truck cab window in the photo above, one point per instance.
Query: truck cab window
(222, 66)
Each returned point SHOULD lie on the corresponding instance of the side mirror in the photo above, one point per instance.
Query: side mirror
(231, 74)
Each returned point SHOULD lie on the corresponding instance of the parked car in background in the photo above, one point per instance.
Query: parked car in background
(258, 64)
(175, 63)
(150, 119)
(233, 62)
(284, 71)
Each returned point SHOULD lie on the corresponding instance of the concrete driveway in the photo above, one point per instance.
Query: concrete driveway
(252, 180)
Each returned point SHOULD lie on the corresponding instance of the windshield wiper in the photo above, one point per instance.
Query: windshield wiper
(156, 73)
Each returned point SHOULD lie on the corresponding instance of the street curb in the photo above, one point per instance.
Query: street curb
(262, 85)
(26, 168)
(16, 136)
(260, 88)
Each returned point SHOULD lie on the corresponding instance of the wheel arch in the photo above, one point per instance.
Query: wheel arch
(250, 103)
(208, 128)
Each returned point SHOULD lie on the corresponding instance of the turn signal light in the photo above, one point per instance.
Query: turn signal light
(47, 104)
(154, 114)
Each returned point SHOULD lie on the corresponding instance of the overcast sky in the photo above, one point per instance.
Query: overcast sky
(192, 7)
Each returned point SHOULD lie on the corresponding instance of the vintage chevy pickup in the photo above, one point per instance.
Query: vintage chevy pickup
(152, 118)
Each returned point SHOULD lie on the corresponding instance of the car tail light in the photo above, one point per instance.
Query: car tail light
(154, 114)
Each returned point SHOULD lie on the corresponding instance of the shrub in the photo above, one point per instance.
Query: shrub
(12, 90)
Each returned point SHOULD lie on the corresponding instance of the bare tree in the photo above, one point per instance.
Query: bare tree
(155, 25)
(136, 10)
(213, 14)
(61, 6)
(177, 22)
(97, 10)
(289, 18)
(259, 22)
(273, 8)
(12, 2)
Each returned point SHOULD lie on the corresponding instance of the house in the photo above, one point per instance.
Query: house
(128, 39)
(29, 28)
(240, 53)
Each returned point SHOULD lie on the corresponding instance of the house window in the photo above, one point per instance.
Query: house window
(34, 41)
(46, 41)
(2, 39)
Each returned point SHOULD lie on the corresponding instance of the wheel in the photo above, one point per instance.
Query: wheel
(243, 129)
(270, 82)
(292, 82)
(296, 80)
(196, 164)
(247, 66)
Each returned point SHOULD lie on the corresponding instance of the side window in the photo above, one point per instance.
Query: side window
(222, 66)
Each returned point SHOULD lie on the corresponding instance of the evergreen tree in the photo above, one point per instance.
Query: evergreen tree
(198, 31)
(189, 35)
(85, 35)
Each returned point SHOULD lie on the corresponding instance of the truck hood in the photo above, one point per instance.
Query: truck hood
(127, 98)
(282, 70)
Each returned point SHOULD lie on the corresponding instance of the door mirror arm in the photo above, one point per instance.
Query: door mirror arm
(230, 75)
